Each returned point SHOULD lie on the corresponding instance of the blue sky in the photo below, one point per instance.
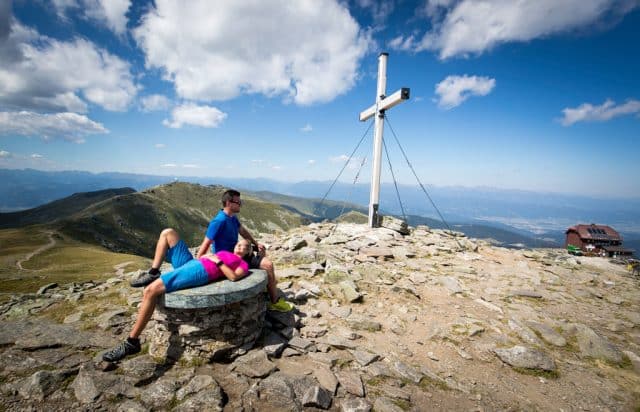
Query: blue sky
(537, 95)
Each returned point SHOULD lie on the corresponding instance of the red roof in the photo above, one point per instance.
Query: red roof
(595, 232)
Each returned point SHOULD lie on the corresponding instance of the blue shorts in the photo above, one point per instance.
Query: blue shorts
(179, 254)
(190, 275)
(187, 272)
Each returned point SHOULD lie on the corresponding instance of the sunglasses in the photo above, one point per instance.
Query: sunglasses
(237, 202)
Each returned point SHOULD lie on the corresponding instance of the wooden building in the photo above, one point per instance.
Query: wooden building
(597, 239)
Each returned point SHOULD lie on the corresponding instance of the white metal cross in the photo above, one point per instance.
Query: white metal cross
(382, 103)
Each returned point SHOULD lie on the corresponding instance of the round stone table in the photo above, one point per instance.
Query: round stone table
(220, 320)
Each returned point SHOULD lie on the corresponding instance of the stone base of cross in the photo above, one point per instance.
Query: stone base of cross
(382, 104)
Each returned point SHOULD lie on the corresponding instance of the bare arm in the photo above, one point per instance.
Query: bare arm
(245, 234)
(204, 247)
(231, 274)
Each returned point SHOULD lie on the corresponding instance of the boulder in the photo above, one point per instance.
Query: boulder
(355, 405)
(317, 397)
(595, 346)
(523, 357)
(351, 382)
(255, 364)
(395, 224)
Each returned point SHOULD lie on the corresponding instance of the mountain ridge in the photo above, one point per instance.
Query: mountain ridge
(130, 221)
(535, 213)
(126, 221)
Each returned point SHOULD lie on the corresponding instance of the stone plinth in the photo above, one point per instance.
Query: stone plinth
(219, 320)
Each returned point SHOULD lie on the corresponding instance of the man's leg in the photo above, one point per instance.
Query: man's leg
(276, 304)
(267, 266)
(132, 344)
(168, 238)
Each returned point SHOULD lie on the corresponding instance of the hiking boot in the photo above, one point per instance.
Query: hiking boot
(280, 306)
(143, 280)
(121, 351)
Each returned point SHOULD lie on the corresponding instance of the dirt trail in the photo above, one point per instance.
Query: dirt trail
(119, 268)
(52, 243)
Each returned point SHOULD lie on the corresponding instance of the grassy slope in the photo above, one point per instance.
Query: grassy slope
(131, 223)
(66, 261)
(312, 209)
(353, 217)
(17, 243)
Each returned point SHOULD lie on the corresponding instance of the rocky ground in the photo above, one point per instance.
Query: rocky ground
(383, 321)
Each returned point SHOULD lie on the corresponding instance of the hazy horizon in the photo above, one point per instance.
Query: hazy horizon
(194, 178)
(532, 212)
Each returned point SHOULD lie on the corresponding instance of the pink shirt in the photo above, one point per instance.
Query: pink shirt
(229, 259)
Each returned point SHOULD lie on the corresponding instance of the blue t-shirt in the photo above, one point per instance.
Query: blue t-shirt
(223, 232)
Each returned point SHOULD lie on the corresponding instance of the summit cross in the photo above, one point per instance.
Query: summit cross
(382, 103)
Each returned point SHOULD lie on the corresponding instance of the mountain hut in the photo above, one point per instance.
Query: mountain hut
(596, 239)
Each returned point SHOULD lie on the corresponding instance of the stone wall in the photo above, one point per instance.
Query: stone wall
(208, 333)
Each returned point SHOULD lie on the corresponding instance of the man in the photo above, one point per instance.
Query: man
(188, 272)
(222, 234)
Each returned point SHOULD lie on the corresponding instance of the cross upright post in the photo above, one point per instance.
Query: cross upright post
(377, 109)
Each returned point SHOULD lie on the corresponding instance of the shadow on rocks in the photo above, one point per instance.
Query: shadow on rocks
(174, 353)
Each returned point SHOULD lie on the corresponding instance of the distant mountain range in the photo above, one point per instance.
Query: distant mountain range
(124, 220)
(529, 218)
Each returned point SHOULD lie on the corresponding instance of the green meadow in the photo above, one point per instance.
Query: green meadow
(34, 256)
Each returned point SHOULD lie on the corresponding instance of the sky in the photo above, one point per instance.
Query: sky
(540, 95)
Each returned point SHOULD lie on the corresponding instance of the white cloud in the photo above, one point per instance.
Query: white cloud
(160, 145)
(404, 43)
(339, 159)
(454, 90)
(63, 6)
(462, 27)
(113, 12)
(194, 115)
(155, 102)
(265, 164)
(67, 101)
(4, 154)
(36, 156)
(353, 164)
(40, 73)
(434, 8)
(183, 166)
(306, 129)
(109, 13)
(69, 126)
(586, 112)
(311, 162)
(379, 9)
(307, 52)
